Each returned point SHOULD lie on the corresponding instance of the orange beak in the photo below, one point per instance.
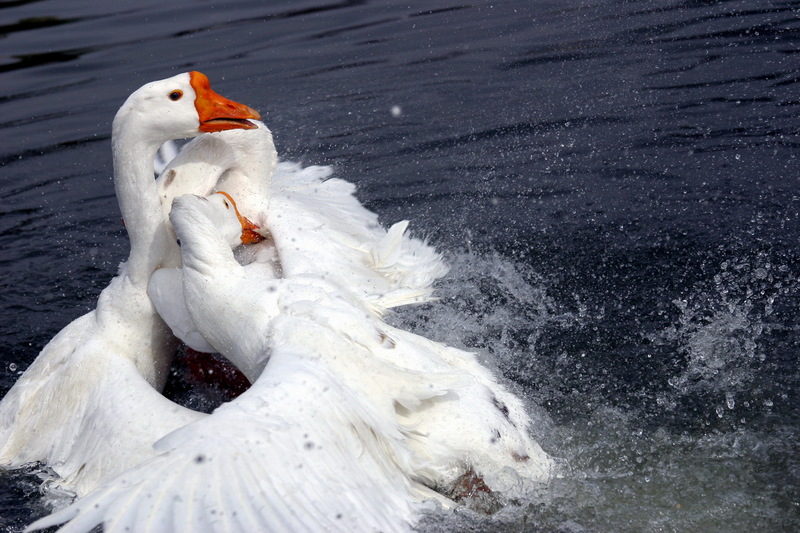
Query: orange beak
(249, 233)
(216, 112)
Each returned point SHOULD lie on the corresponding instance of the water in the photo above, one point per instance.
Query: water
(614, 182)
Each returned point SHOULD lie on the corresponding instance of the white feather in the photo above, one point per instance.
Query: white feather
(314, 224)
(346, 422)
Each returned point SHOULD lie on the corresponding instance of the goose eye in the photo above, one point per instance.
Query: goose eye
(175, 95)
(226, 204)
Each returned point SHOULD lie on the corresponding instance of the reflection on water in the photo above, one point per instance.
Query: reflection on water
(614, 183)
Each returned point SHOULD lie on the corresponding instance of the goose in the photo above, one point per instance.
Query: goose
(360, 449)
(311, 223)
(301, 450)
(89, 405)
(478, 426)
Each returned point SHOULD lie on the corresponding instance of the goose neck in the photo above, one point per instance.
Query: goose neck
(137, 195)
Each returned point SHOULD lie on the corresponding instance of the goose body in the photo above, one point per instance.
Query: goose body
(475, 424)
(347, 416)
(85, 406)
(302, 450)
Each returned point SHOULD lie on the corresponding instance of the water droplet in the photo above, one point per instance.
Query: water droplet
(730, 401)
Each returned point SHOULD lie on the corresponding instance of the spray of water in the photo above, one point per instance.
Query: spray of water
(626, 469)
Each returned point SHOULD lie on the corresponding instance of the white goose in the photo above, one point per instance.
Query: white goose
(302, 450)
(87, 405)
(313, 224)
(344, 427)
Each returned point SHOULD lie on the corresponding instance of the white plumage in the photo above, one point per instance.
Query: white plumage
(85, 406)
(350, 423)
(350, 417)
(313, 224)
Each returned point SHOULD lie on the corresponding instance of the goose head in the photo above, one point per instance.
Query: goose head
(249, 231)
(179, 107)
(215, 214)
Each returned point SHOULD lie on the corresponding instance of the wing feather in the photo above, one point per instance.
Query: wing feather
(320, 228)
(299, 451)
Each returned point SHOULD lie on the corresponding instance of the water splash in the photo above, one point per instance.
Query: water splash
(725, 336)
(492, 304)
(498, 308)
(626, 469)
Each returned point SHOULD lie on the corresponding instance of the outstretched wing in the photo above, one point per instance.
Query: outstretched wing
(84, 410)
(301, 450)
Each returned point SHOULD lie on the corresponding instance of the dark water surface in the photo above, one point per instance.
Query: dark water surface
(614, 182)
